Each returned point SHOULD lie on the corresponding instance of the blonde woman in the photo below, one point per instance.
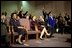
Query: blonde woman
(42, 25)
(33, 23)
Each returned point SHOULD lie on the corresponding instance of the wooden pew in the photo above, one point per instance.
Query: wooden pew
(26, 24)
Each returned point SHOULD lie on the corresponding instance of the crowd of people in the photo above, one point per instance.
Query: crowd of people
(46, 24)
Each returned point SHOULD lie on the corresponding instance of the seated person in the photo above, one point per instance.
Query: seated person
(40, 27)
(33, 23)
(17, 27)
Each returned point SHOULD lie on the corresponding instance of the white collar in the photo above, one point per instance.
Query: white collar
(51, 17)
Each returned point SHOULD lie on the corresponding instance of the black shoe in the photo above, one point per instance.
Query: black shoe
(19, 43)
(50, 36)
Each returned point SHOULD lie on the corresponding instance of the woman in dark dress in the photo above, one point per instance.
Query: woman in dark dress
(17, 27)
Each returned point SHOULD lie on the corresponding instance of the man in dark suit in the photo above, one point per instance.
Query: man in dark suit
(46, 15)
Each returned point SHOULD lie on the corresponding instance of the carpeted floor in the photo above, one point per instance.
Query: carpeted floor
(59, 40)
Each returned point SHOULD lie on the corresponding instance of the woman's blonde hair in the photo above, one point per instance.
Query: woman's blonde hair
(34, 17)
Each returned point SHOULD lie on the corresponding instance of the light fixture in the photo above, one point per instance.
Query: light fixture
(24, 3)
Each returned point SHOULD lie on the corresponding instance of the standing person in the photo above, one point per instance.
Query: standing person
(4, 33)
(66, 17)
(45, 14)
(21, 14)
(56, 26)
(67, 23)
(51, 24)
(61, 25)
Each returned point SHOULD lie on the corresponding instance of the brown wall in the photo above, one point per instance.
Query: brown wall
(8, 6)
(57, 7)
(35, 7)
